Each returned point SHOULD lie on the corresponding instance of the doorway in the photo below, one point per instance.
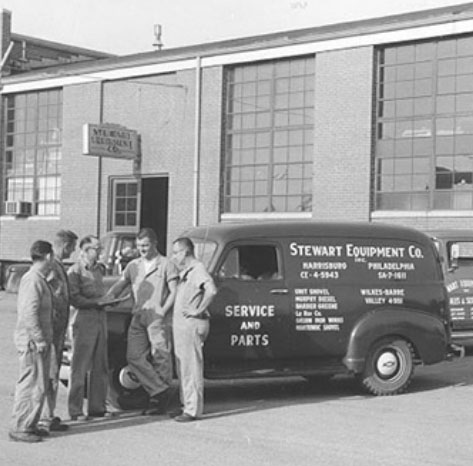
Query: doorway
(154, 208)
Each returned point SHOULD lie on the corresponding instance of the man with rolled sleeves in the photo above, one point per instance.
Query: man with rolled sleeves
(152, 278)
(89, 333)
(64, 245)
(33, 338)
(195, 291)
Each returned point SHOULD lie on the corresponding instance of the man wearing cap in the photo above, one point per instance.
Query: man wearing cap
(195, 291)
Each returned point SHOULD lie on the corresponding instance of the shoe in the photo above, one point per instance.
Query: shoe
(42, 431)
(28, 437)
(184, 417)
(57, 426)
(155, 408)
(158, 403)
(107, 414)
(174, 413)
(79, 417)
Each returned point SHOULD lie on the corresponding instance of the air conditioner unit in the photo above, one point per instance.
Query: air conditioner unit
(18, 208)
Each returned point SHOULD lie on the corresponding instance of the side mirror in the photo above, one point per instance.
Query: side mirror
(454, 255)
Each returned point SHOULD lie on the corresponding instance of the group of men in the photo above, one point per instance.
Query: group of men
(171, 297)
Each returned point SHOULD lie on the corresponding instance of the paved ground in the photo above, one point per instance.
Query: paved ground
(269, 422)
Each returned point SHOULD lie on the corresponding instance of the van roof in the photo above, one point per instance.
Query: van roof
(451, 233)
(261, 229)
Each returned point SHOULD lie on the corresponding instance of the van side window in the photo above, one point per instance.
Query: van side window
(254, 262)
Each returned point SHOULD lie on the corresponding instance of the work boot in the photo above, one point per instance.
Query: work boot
(28, 437)
(57, 425)
(158, 403)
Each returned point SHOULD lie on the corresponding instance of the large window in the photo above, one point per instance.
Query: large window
(424, 150)
(269, 137)
(32, 152)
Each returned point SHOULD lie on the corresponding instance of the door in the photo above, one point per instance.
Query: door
(154, 208)
(247, 312)
(459, 281)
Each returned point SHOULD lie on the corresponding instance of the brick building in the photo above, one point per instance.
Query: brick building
(369, 121)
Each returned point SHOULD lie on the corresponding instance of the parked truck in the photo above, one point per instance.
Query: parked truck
(118, 248)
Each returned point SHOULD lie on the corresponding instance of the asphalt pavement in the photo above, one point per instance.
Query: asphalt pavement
(266, 422)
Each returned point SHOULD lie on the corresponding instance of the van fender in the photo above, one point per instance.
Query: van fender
(424, 331)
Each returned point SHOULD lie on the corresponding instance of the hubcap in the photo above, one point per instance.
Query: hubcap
(387, 364)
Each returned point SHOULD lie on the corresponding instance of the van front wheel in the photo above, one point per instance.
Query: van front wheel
(389, 367)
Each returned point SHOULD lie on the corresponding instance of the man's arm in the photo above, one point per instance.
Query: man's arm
(77, 300)
(172, 285)
(29, 302)
(117, 288)
(209, 290)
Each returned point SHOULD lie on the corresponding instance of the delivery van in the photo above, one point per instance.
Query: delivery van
(456, 251)
(308, 298)
(313, 300)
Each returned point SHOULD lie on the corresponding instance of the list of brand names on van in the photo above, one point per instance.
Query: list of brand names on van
(318, 309)
(310, 303)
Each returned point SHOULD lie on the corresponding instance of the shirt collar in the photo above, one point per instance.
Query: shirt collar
(86, 266)
(183, 274)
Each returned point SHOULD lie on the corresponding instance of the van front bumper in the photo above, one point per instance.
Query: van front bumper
(462, 337)
(455, 351)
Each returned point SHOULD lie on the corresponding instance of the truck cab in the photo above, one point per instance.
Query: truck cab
(456, 251)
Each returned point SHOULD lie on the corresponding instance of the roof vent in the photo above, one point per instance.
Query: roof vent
(158, 43)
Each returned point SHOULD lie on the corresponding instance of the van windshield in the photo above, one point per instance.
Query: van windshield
(204, 250)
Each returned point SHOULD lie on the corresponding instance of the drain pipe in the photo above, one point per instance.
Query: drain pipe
(197, 130)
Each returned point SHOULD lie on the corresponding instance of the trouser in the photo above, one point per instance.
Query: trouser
(53, 382)
(189, 337)
(30, 390)
(149, 351)
(89, 356)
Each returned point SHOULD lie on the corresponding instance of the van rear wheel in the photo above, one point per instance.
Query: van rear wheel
(389, 367)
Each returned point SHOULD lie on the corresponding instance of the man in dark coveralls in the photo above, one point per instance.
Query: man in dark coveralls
(33, 338)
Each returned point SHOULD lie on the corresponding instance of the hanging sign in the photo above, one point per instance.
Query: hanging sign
(109, 140)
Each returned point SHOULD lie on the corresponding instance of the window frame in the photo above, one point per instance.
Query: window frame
(259, 172)
(427, 144)
(114, 182)
(32, 150)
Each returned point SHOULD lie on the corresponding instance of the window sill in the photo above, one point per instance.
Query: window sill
(265, 216)
(421, 213)
(30, 218)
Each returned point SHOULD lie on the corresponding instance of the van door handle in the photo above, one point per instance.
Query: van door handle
(279, 291)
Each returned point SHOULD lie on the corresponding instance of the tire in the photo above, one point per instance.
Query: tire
(123, 398)
(389, 367)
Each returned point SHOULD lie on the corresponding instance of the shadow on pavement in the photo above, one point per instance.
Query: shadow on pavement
(236, 397)
(123, 420)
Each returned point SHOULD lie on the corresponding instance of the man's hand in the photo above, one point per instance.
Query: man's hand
(41, 346)
(189, 313)
(160, 312)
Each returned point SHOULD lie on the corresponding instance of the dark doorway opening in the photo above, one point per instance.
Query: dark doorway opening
(154, 208)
